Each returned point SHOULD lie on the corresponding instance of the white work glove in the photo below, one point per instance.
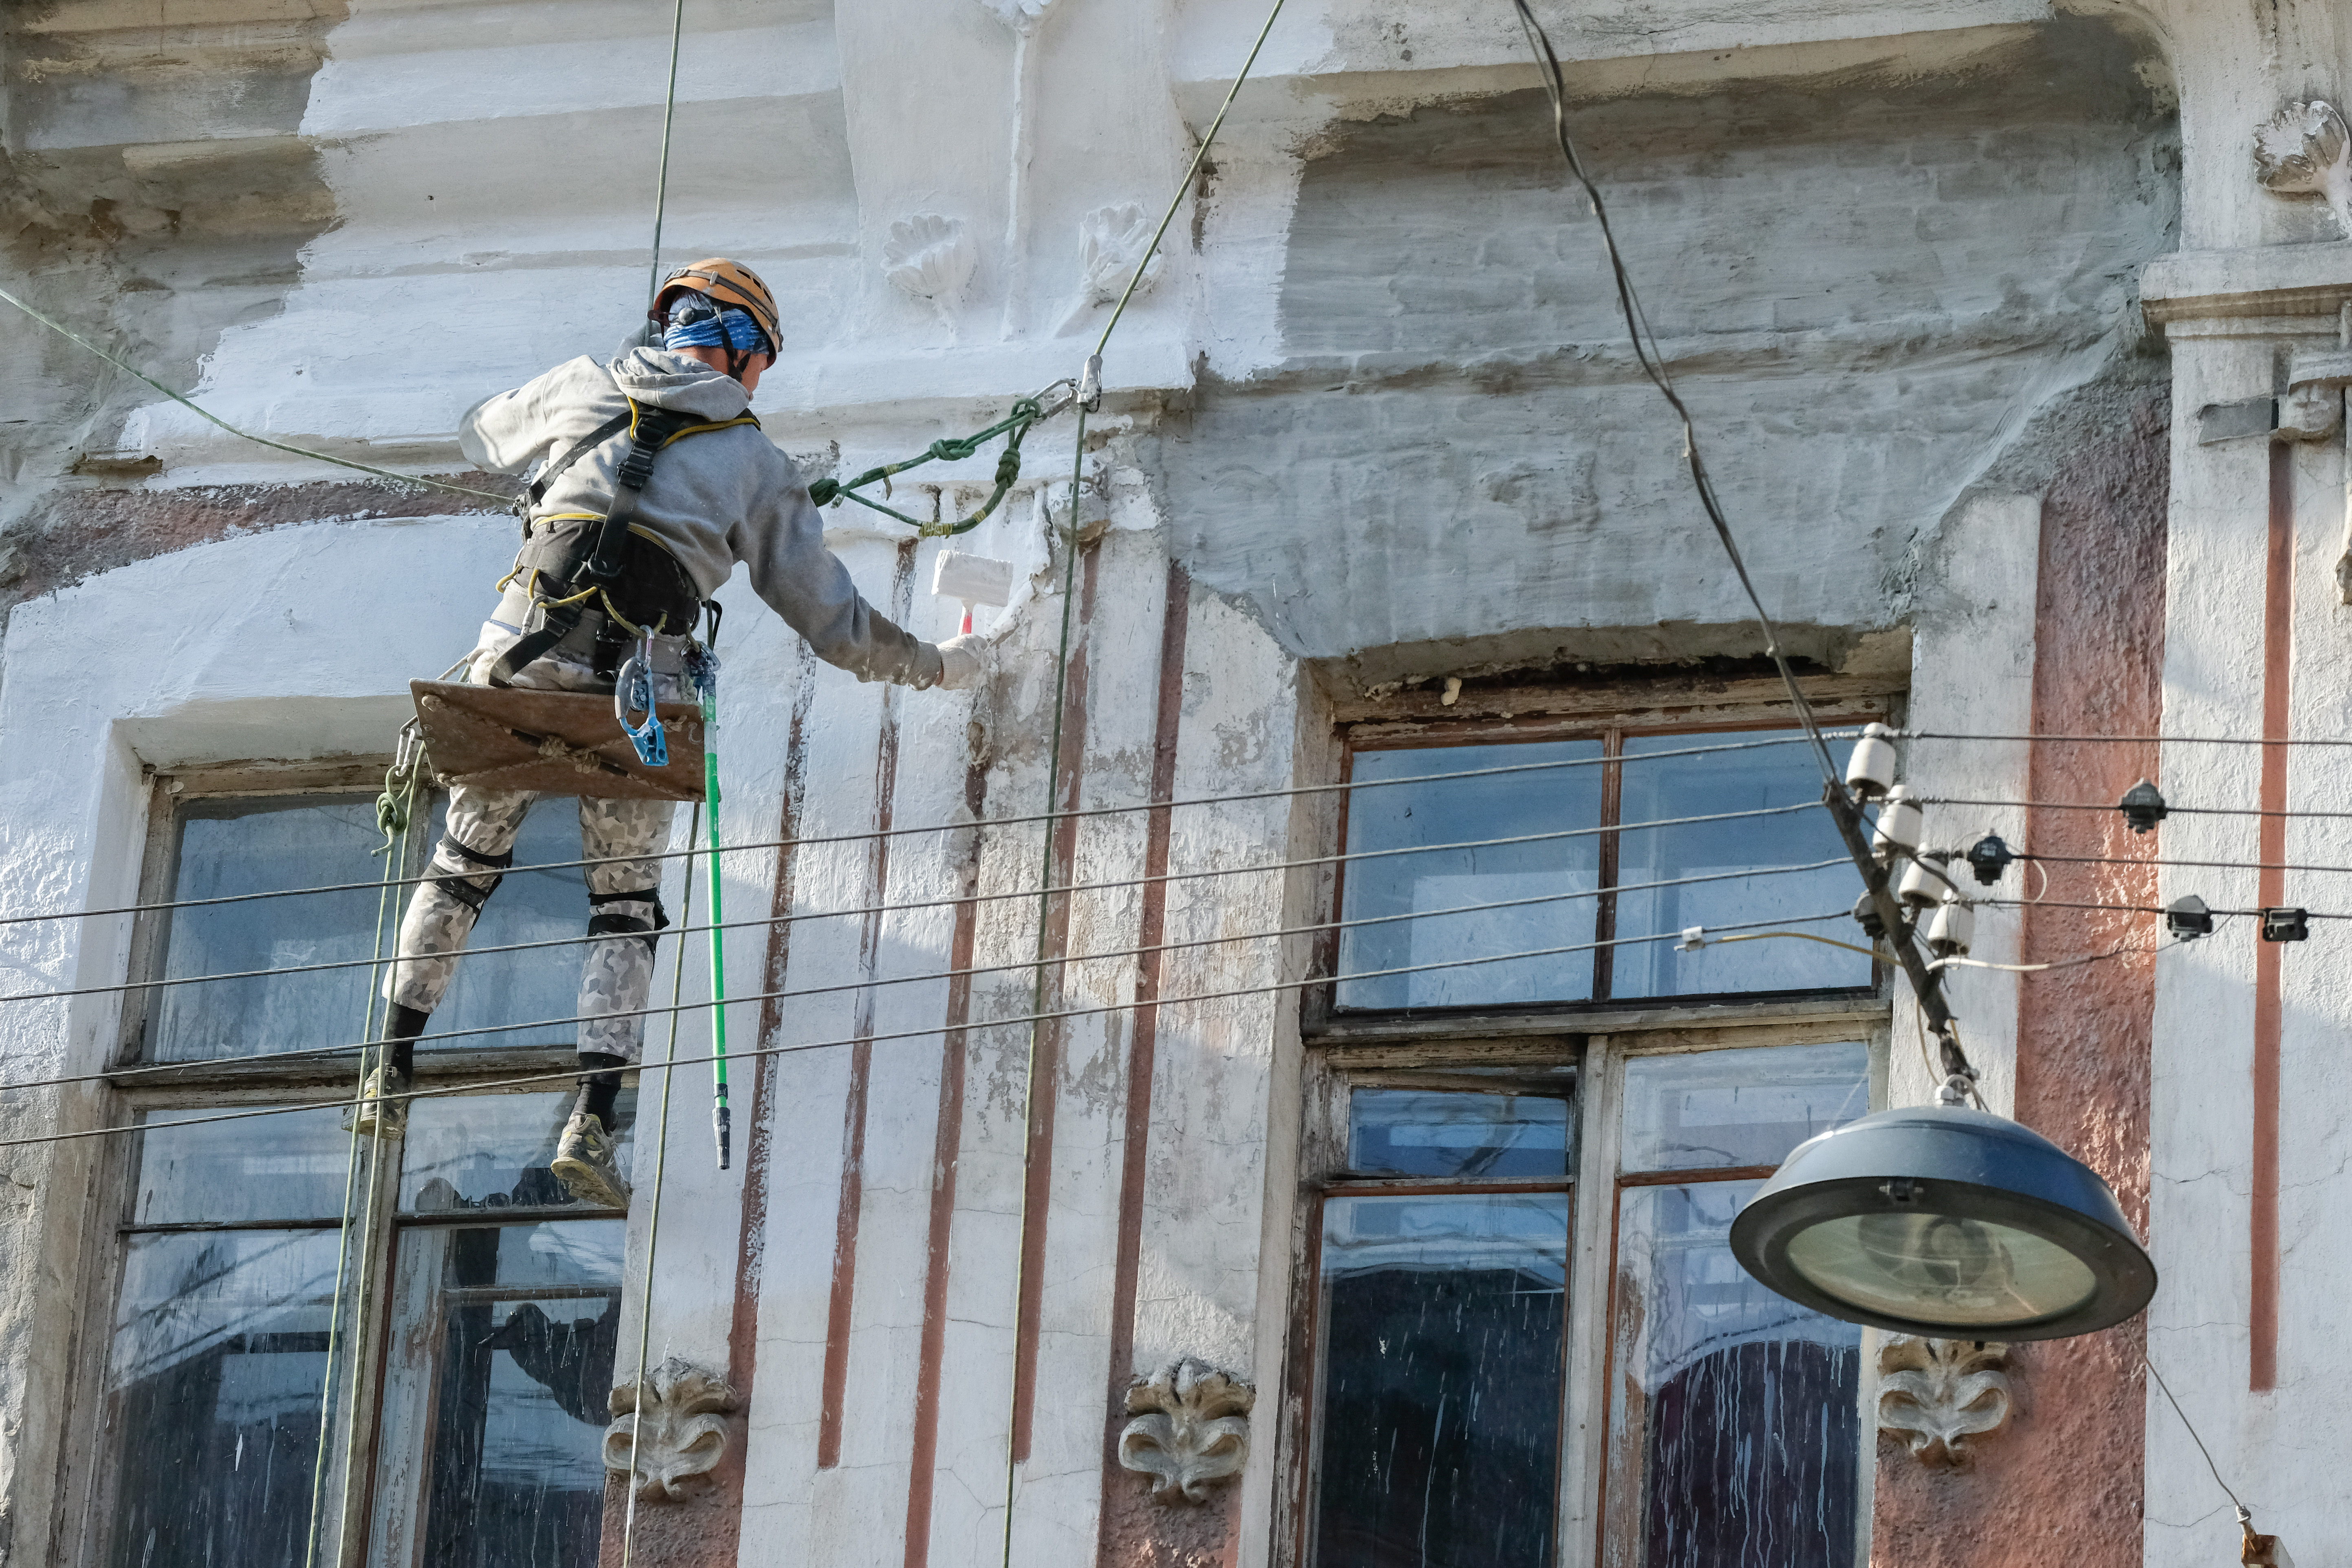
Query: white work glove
(963, 660)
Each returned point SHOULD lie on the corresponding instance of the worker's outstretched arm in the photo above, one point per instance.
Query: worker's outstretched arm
(781, 542)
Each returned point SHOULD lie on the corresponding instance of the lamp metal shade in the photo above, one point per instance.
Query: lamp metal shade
(1945, 1222)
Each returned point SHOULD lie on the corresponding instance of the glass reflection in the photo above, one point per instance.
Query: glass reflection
(1942, 1269)
(252, 845)
(1735, 1424)
(220, 1170)
(508, 1398)
(1721, 1110)
(1442, 1327)
(1453, 811)
(1703, 785)
(491, 1150)
(1421, 1133)
(218, 1355)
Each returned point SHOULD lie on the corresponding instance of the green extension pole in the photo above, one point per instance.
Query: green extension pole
(720, 1119)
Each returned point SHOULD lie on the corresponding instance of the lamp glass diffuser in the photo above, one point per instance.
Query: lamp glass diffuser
(1949, 1223)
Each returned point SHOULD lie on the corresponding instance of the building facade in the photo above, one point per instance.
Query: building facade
(1240, 1087)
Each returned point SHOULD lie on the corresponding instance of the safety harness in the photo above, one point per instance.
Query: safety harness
(570, 560)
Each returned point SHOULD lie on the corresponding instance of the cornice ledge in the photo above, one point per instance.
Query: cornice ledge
(2253, 281)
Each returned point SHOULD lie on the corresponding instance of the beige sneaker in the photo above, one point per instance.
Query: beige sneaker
(374, 1116)
(585, 1162)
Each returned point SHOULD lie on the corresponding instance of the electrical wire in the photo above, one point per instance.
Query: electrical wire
(118, 1075)
(1230, 993)
(1653, 363)
(976, 826)
(2169, 809)
(2244, 1514)
(2124, 740)
(773, 920)
(72, 336)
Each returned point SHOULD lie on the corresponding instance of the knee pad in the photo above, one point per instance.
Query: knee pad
(462, 889)
(644, 930)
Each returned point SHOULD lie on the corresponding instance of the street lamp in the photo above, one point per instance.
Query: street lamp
(1949, 1223)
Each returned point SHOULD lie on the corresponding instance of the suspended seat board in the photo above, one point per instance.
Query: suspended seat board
(553, 743)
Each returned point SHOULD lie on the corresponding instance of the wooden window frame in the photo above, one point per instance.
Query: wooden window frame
(133, 1089)
(1505, 1048)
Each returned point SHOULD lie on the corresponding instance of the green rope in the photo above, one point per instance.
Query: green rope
(661, 1165)
(1054, 753)
(247, 435)
(1026, 413)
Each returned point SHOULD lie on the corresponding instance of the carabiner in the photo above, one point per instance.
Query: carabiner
(633, 690)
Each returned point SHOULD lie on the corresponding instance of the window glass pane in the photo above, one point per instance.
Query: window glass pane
(1442, 1330)
(1722, 1109)
(291, 1166)
(1418, 1132)
(1457, 811)
(1735, 1429)
(529, 905)
(497, 1415)
(490, 1150)
(1728, 781)
(218, 1355)
(229, 846)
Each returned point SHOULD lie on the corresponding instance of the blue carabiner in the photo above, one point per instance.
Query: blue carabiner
(633, 690)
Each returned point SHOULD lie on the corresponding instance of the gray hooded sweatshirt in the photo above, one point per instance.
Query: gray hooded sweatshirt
(714, 498)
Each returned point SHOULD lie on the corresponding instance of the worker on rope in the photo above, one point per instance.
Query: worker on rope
(718, 492)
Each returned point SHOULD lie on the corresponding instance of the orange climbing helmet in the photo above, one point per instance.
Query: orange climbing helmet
(726, 283)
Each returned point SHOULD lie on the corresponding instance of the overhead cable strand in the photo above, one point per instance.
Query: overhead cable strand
(1109, 886)
(1924, 983)
(2129, 740)
(1228, 994)
(503, 500)
(976, 824)
(118, 1075)
(2169, 809)
(661, 175)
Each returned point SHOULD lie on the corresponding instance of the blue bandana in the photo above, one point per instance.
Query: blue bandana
(729, 329)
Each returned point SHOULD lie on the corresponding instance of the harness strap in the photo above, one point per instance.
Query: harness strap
(629, 925)
(586, 443)
(462, 889)
(601, 564)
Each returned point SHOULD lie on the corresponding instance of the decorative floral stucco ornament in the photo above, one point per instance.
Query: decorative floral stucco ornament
(1938, 1394)
(684, 1425)
(930, 258)
(1190, 1427)
(1110, 242)
(2306, 149)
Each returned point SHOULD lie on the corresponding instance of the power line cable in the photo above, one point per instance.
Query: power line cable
(67, 333)
(977, 824)
(573, 1075)
(757, 922)
(1924, 983)
(1024, 893)
(2169, 809)
(2127, 740)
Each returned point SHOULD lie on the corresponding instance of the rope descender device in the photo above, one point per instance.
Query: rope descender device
(633, 691)
(1026, 412)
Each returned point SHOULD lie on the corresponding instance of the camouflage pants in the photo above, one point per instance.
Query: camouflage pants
(617, 972)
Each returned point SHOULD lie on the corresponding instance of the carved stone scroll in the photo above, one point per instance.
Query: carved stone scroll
(2305, 149)
(1939, 1393)
(684, 1425)
(1190, 1427)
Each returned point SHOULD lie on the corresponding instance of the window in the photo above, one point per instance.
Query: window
(1443, 1319)
(1528, 1343)
(1577, 873)
(469, 1309)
